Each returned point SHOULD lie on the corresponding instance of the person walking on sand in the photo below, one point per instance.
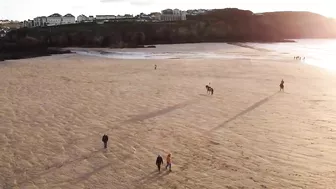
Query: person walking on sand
(169, 162)
(159, 162)
(155, 67)
(282, 85)
(105, 139)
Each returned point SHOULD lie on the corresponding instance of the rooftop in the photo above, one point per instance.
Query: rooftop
(167, 11)
(69, 15)
(55, 15)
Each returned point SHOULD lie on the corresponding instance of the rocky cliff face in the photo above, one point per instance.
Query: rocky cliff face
(224, 25)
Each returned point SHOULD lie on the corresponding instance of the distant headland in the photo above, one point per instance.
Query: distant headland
(220, 25)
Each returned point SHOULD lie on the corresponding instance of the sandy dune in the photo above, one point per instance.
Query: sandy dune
(54, 111)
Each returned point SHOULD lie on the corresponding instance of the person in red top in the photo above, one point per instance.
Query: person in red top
(169, 161)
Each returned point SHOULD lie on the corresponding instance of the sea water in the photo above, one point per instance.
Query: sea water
(317, 52)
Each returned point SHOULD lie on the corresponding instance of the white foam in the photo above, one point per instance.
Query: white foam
(316, 52)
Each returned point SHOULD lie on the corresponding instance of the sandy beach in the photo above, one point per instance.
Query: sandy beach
(54, 111)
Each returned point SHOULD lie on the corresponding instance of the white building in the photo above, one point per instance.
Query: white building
(155, 16)
(176, 11)
(57, 19)
(54, 19)
(105, 17)
(40, 21)
(28, 23)
(183, 15)
(68, 19)
(91, 18)
(173, 15)
(82, 18)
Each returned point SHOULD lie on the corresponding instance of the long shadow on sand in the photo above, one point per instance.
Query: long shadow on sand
(150, 178)
(55, 166)
(141, 117)
(149, 115)
(86, 176)
(78, 179)
(137, 118)
(247, 110)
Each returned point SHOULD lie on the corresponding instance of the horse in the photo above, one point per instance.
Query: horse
(210, 90)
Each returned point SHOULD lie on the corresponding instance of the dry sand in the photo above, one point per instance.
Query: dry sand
(54, 111)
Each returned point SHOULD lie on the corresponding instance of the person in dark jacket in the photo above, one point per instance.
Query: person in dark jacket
(159, 162)
(105, 139)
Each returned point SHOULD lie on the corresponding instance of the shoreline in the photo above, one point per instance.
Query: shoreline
(19, 54)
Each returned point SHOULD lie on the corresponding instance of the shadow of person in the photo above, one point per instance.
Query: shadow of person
(152, 177)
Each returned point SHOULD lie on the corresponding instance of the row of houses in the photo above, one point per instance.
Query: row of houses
(52, 20)
(57, 19)
(165, 15)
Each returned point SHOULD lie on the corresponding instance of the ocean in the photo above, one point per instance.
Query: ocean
(317, 52)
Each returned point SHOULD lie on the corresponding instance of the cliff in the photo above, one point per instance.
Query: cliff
(222, 25)
(300, 25)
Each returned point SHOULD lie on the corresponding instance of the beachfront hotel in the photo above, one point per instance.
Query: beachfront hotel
(173, 15)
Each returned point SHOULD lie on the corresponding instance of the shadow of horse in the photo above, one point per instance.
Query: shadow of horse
(247, 110)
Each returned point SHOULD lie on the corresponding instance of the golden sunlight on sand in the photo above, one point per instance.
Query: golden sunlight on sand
(54, 111)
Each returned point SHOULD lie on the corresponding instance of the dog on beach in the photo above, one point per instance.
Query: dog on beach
(210, 90)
